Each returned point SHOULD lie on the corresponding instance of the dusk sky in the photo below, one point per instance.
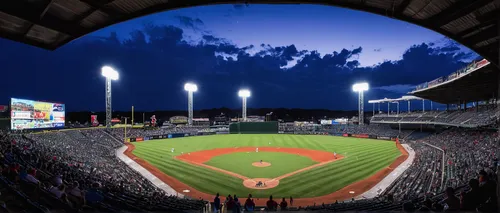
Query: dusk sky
(294, 56)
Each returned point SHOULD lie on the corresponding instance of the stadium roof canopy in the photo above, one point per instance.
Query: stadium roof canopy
(475, 84)
(50, 24)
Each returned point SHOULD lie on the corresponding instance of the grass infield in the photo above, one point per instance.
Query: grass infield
(241, 163)
(362, 158)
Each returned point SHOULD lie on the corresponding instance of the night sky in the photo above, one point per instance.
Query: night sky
(294, 56)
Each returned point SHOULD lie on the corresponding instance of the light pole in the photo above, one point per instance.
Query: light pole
(110, 74)
(360, 88)
(190, 88)
(244, 94)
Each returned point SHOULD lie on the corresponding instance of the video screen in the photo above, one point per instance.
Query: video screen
(28, 114)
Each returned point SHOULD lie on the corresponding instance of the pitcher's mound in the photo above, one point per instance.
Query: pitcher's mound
(259, 164)
(266, 183)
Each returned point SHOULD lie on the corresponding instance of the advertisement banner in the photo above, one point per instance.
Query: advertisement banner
(384, 138)
(326, 122)
(346, 135)
(4, 108)
(28, 114)
(93, 120)
(363, 136)
(153, 120)
(139, 139)
(128, 140)
(179, 120)
(482, 63)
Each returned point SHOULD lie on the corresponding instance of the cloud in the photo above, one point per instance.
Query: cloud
(240, 6)
(192, 23)
(156, 60)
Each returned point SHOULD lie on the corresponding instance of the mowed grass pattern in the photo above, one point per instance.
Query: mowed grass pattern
(241, 163)
(362, 158)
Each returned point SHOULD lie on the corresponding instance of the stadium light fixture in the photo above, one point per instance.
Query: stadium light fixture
(190, 88)
(111, 75)
(360, 88)
(244, 94)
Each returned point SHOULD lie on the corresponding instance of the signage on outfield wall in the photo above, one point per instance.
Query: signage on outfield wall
(360, 135)
(384, 138)
(139, 139)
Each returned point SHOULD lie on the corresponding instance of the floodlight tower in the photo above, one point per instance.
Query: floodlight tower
(244, 94)
(110, 74)
(360, 88)
(190, 88)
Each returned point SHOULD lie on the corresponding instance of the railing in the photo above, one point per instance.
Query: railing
(461, 72)
(442, 161)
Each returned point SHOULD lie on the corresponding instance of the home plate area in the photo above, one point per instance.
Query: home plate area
(261, 183)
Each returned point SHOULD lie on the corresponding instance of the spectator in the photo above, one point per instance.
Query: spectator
(30, 177)
(229, 203)
(56, 180)
(74, 190)
(249, 204)
(216, 203)
(451, 201)
(58, 191)
(271, 204)
(93, 195)
(487, 187)
(470, 200)
(283, 204)
(237, 206)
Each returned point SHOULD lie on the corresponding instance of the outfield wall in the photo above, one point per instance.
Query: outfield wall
(270, 127)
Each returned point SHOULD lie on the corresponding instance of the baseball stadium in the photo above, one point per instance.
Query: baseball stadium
(381, 158)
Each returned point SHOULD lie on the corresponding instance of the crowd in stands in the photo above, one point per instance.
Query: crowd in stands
(119, 133)
(381, 130)
(373, 129)
(78, 171)
(476, 116)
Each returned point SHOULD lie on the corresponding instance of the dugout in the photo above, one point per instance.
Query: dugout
(270, 127)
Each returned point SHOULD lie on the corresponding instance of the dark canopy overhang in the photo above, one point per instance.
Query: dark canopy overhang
(480, 85)
(50, 24)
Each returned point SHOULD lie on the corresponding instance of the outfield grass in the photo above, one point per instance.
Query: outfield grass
(241, 163)
(362, 158)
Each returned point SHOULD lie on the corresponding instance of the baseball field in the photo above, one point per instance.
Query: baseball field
(301, 166)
